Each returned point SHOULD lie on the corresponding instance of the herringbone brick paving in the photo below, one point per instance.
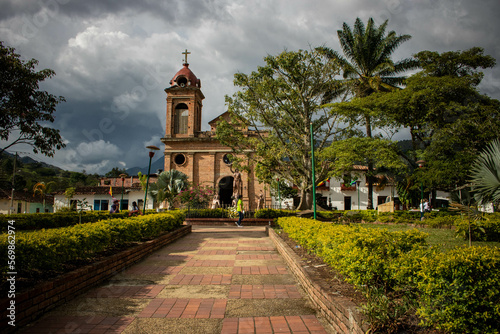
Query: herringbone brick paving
(195, 286)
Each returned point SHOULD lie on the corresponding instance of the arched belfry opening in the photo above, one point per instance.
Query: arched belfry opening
(181, 119)
(226, 191)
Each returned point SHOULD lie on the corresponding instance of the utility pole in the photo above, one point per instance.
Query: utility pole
(13, 184)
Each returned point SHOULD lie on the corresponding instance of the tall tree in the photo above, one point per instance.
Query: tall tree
(449, 120)
(271, 117)
(25, 110)
(368, 68)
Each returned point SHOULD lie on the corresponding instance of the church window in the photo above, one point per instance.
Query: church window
(181, 119)
(180, 159)
(227, 160)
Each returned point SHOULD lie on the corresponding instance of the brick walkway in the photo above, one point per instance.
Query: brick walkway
(216, 280)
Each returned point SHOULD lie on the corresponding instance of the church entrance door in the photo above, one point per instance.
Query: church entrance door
(226, 191)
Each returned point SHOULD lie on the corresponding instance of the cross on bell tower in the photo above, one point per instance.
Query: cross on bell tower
(186, 53)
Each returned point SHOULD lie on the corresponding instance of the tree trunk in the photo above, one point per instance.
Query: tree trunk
(305, 200)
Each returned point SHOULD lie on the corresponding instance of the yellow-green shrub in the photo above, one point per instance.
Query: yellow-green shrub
(50, 249)
(460, 290)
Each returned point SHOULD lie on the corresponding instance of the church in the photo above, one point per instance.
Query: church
(198, 154)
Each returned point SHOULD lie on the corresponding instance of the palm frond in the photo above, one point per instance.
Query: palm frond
(485, 174)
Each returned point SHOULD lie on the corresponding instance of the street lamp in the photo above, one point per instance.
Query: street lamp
(279, 195)
(152, 150)
(313, 175)
(123, 180)
(358, 182)
(421, 164)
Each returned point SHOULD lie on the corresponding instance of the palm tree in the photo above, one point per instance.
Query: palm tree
(368, 68)
(168, 185)
(43, 189)
(485, 175)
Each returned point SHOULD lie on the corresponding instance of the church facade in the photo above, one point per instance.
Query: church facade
(198, 154)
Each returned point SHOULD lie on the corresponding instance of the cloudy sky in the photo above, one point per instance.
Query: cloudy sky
(114, 58)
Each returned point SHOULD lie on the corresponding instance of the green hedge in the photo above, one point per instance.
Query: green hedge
(485, 229)
(460, 291)
(50, 249)
(38, 221)
(457, 291)
(271, 213)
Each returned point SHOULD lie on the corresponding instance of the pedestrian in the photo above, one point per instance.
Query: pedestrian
(427, 207)
(239, 208)
(135, 210)
(115, 208)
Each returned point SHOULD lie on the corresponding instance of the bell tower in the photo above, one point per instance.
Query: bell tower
(184, 103)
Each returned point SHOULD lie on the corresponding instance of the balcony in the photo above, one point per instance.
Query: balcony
(344, 187)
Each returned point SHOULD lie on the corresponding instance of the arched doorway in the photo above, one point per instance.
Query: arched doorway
(226, 191)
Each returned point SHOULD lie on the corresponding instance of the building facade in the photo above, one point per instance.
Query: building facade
(198, 154)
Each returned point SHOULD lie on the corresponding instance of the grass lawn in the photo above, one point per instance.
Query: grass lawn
(443, 238)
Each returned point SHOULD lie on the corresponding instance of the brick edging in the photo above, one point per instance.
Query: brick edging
(229, 221)
(45, 296)
(340, 312)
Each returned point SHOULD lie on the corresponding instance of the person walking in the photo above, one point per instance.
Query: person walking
(115, 208)
(239, 208)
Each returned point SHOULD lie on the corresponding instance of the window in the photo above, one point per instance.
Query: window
(101, 205)
(181, 119)
(124, 204)
(180, 159)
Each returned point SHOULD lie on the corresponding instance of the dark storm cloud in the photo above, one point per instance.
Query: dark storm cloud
(113, 59)
(172, 10)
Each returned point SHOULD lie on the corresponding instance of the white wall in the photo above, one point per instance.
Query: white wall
(340, 198)
(60, 201)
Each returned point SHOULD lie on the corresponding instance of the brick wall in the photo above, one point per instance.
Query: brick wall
(33, 303)
(340, 312)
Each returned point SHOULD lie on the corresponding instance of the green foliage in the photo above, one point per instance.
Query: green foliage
(272, 213)
(50, 249)
(460, 292)
(167, 186)
(344, 154)
(24, 108)
(485, 174)
(196, 197)
(276, 104)
(116, 172)
(485, 229)
(38, 221)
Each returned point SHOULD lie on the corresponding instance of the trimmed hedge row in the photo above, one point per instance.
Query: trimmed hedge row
(38, 221)
(50, 249)
(458, 291)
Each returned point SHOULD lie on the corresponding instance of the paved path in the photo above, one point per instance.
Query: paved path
(215, 280)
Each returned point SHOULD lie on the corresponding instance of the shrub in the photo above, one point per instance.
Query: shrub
(485, 229)
(460, 291)
(38, 221)
(50, 249)
(271, 213)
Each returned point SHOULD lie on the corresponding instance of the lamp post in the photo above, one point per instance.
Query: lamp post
(358, 182)
(11, 210)
(421, 164)
(123, 180)
(279, 195)
(313, 175)
(152, 150)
